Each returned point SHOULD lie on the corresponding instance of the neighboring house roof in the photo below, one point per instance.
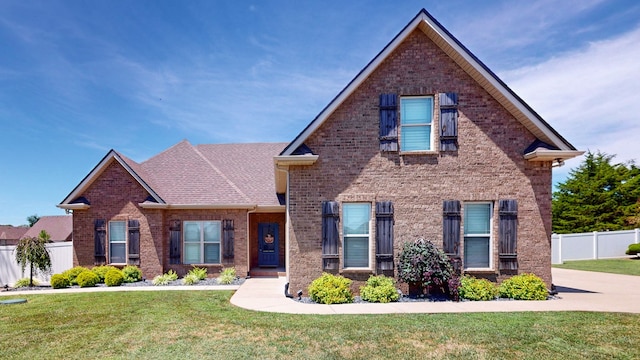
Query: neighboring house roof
(201, 176)
(58, 227)
(558, 148)
(11, 234)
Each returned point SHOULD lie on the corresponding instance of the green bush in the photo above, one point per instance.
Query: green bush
(131, 273)
(102, 270)
(166, 278)
(227, 275)
(190, 279)
(634, 249)
(24, 282)
(423, 263)
(331, 289)
(59, 281)
(379, 289)
(200, 273)
(114, 277)
(523, 287)
(477, 289)
(73, 273)
(87, 278)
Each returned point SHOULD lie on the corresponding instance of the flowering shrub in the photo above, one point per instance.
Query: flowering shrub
(423, 263)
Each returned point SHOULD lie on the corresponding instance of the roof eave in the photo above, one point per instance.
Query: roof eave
(74, 206)
(557, 156)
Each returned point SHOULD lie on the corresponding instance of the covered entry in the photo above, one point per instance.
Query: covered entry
(266, 244)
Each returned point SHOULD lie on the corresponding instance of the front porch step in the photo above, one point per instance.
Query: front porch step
(268, 272)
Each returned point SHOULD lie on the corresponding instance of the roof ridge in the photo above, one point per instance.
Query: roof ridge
(221, 174)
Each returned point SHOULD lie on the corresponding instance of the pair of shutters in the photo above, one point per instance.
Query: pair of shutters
(507, 231)
(448, 105)
(175, 237)
(331, 235)
(100, 242)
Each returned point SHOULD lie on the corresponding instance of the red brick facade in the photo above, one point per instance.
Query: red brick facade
(488, 166)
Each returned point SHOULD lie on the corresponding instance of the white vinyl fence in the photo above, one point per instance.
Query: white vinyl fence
(594, 245)
(61, 260)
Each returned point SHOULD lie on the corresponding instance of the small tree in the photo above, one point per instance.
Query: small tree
(33, 219)
(33, 250)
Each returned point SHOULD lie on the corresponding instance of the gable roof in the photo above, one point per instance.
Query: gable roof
(9, 232)
(561, 148)
(201, 176)
(58, 227)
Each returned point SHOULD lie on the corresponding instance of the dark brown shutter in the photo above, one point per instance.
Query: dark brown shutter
(134, 242)
(228, 236)
(99, 239)
(384, 235)
(448, 121)
(175, 237)
(508, 234)
(451, 227)
(388, 122)
(330, 235)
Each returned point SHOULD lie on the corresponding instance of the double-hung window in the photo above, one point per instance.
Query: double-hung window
(416, 119)
(356, 234)
(477, 235)
(117, 242)
(202, 242)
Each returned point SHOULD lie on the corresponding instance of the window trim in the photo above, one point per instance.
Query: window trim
(201, 242)
(369, 236)
(431, 125)
(125, 241)
(490, 235)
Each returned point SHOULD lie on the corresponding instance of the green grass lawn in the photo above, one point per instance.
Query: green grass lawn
(625, 266)
(204, 325)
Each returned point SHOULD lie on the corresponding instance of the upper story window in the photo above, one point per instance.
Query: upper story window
(117, 242)
(356, 234)
(477, 235)
(202, 242)
(416, 119)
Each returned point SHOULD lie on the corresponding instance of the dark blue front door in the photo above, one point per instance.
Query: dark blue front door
(268, 253)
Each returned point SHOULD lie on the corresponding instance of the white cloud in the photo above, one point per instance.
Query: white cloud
(590, 96)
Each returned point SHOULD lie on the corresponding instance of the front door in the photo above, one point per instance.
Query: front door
(268, 253)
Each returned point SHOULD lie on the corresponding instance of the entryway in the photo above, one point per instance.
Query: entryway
(268, 245)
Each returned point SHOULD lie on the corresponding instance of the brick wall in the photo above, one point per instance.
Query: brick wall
(488, 166)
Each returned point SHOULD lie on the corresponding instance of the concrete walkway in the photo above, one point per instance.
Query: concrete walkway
(578, 291)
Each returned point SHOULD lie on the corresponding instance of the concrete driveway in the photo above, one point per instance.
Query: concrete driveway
(578, 291)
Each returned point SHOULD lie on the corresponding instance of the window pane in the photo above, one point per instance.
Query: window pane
(191, 231)
(212, 231)
(476, 252)
(477, 218)
(416, 110)
(212, 253)
(192, 253)
(356, 218)
(416, 138)
(117, 231)
(356, 252)
(118, 253)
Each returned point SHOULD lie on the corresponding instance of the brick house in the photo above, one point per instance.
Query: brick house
(425, 142)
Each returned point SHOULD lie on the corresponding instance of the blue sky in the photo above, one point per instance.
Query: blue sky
(78, 78)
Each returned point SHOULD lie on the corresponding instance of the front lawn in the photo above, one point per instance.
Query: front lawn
(625, 266)
(204, 325)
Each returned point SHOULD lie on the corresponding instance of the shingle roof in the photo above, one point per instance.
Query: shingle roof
(9, 232)
(58, 227)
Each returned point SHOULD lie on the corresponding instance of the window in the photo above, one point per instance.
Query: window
(416, 117)
(356, 224)
(477, 236)
(202, 242)
(117, 242)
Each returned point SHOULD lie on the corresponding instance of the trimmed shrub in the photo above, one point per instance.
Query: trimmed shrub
(423, 263)
(190, 279)
(131, 273)
(200, 273)
(113, 277)
(102, 270)
(24, 282)
(59, 281)
(331, 289)
(72, 273)
(165, 278)
(634, 249)
(379, 289)
(477, 289)
(87, 278)
(227, 275)
(524, 287)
